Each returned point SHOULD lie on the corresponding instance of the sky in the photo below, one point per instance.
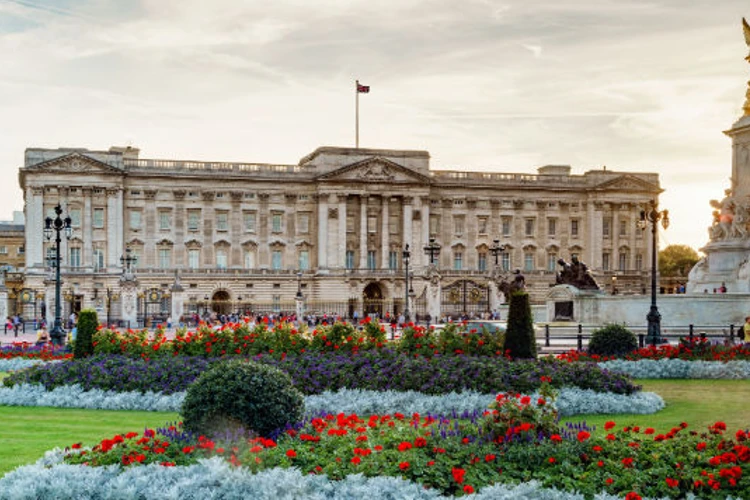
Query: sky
(483, 85)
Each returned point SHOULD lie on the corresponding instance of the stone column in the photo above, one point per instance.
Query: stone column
(407, 205)
(363, 231)
(425, 259)
(341, 249)
(322, 231)
(235, 228)
(150, 232)
(615, 264)
(385, 232)
(129, 301)
(114, 228)
(594, 227)
(434, 289)
(34, 227)
(87, 259)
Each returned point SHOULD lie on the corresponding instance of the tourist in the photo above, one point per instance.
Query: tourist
(746, 330)
(42, 336)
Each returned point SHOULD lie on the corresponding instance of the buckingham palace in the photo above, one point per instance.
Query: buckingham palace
(343, 231)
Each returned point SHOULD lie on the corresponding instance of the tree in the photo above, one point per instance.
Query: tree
(677, 260)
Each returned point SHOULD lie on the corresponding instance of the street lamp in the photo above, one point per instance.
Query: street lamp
(406, 254)
(299, 286)
(56, 225)
(433, 250)
(652, 215)
(496, 249)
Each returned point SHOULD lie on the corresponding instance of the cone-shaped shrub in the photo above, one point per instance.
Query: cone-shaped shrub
(519, 337)
(87, 325)
(241, 396)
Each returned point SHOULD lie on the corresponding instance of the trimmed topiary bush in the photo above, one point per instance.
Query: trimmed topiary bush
(87, 325)
(241, 396)
(612, 340)
(519, 337)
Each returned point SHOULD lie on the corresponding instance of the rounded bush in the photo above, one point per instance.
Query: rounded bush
(241, 396)
(612, 340)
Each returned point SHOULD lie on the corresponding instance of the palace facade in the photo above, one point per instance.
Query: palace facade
(330, 231)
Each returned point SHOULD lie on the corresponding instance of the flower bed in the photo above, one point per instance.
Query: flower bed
(24, 350)
(695, 349)
(445, 455)
(569, 402)
(314, 373)
(679, 368)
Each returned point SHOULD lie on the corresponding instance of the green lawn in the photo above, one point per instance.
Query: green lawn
(27, 432)
(698, 402)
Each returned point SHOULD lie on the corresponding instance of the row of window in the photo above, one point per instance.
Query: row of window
(164, 260)
(19, 250)
(529, 225)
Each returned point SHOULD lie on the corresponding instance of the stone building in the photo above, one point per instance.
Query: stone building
(229, 237)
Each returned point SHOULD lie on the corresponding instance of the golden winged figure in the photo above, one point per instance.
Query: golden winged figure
(746, 29)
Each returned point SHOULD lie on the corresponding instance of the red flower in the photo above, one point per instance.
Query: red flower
(403, 465)
(633, 496)
(608, 425)
(627, 462)
(551, 460)
(609, 480)
(405, 445)
(489, 458)
(356, 460)
(291, 453)
(458, 475)
(555, 438)
(649, 430)
(672, 483)
(468, 489)
(583, 436)
(700, 446)
(600, 463)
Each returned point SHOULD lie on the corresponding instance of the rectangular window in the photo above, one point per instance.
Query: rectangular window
(622, 263)
(551, 261)
(135, 219)
(372, 224)
(528, 261)
(98, 259)
(606, 227)
(193, 220)
(221, 259)
(75, 217)
(350, 259)
(551, 227)
(574, 228)
(276, 223)
(194, 256)
(434, 225)
(458, 261)
(392, 260)
(249, 259)
(75, 257)
(505, 261)
(458, 225)
(393, 224)
(136, 256)
(249, 221)
(98, 218)
(222, 221)
(21, 250)
(349, 223)
(51, 261)
(303, 223)
(482, 262)
(165, 220)
(639, 262)
(529, 227)
(304, 260)
(276, 260)
(506, 225)
(165, 258)
(371, 260)
(623, 228)
(605, 261)
(482, 225)
(3, 250)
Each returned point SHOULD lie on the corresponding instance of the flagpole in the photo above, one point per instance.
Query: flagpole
(356, 113)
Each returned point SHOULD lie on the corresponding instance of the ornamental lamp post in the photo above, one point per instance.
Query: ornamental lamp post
(55, 226)
(433, 250)
(652, 215)
(496, 249)
(406, 254)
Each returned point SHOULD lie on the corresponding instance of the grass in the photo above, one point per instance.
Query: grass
(700, 403)
(30, 431)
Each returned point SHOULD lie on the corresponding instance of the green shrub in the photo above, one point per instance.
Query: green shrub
(241, 395)
(520, 341)
(87, 325)
(612, 340)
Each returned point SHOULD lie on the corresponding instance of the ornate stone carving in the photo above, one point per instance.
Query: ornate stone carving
(150, 194)
(333, 213)
(208, 195)
(236, 195)
(179, 194)
(376, 172)
(113, 191)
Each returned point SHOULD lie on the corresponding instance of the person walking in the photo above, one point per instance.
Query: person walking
(746, 330)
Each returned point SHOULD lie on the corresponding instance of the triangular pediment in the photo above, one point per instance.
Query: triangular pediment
(376, 169)
(628, 183)
(75, 163)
